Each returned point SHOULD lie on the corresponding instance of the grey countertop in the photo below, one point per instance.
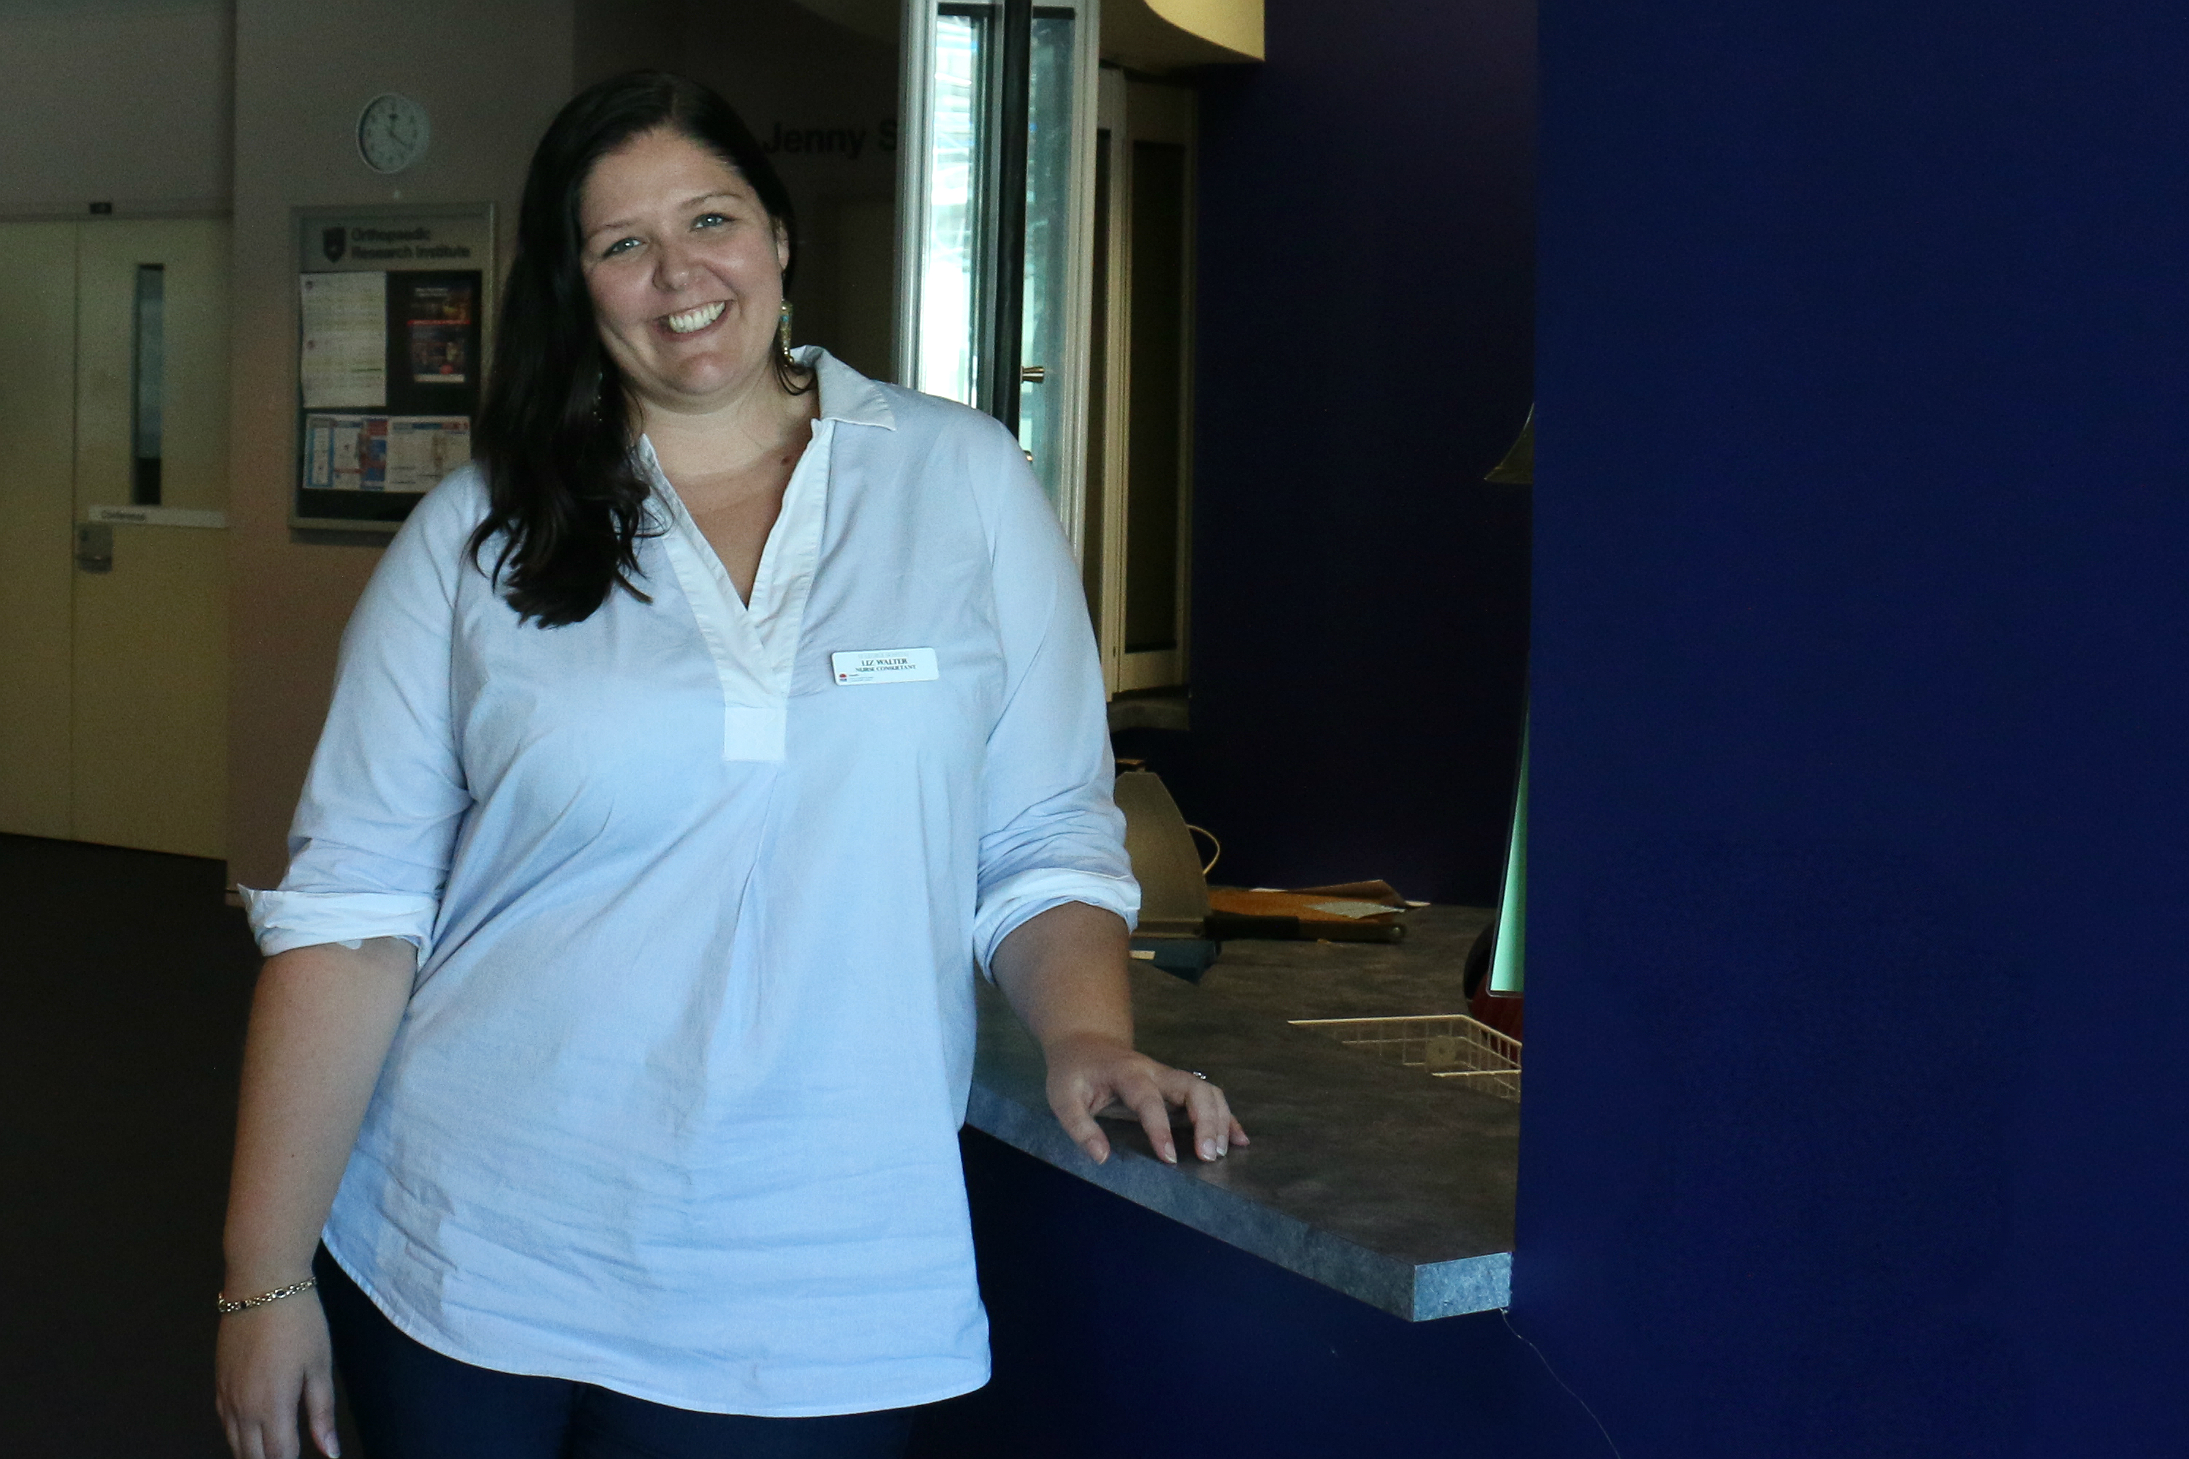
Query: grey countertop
(1381, 1181)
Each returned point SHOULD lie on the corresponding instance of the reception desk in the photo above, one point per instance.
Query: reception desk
(1376, 1180)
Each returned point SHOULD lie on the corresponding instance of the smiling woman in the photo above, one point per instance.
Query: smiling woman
(654, 192)
(674, 238)
(618, 1015)
(685, 268)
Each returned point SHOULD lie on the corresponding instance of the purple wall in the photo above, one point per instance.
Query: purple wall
(1366, 299)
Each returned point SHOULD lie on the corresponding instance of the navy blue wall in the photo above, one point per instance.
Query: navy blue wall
(1859, 906)
(1365, 317)
(1860, 913)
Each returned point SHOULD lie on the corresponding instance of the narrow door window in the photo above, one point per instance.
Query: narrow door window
(1156, 455)
(148, 377)
(1139, 455)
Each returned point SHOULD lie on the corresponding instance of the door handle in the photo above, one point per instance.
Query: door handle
(1033, 374)
(94, 547)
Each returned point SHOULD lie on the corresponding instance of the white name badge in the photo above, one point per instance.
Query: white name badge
(884, 666)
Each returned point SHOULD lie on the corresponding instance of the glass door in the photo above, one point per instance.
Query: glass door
(995, 222)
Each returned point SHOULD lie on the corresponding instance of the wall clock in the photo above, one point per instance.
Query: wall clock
(392, 132)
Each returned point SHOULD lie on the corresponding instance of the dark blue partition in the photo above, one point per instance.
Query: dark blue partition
(1861, 595)
(1860, 912)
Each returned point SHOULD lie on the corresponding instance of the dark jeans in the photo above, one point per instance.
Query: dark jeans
(411, 1402)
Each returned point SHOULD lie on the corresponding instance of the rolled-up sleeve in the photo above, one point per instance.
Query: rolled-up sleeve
(370, 847)
(1050, 832)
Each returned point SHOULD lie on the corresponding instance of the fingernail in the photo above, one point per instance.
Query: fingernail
(1169, 1152)
(1208, 1150)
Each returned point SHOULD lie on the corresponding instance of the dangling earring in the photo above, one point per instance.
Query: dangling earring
(782, 333)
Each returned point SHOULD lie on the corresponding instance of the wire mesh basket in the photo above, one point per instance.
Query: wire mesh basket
(1447, 1045)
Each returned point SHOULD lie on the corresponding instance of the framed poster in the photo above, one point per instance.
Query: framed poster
(393, 309)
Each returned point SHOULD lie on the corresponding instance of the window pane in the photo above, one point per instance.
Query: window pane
(1048, 243)
(949, 307)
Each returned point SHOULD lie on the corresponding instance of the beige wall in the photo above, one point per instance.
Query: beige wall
(491, 73)
(122, 101)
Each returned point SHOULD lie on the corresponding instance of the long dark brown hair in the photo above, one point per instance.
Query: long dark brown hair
(554, 431)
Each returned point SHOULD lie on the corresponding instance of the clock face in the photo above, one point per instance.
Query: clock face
(392, 132)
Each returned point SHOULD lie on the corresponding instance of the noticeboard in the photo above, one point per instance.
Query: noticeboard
(393, 307)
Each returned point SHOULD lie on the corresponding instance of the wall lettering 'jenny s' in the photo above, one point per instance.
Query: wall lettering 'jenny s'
(845, 142)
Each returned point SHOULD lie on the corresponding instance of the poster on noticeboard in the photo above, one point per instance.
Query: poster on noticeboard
(393, 310)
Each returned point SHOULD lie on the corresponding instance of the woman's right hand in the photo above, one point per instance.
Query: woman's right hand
(268, 1361)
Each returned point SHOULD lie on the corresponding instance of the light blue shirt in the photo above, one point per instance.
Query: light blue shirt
(673, 1107)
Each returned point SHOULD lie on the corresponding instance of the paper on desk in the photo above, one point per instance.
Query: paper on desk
(1354, 910)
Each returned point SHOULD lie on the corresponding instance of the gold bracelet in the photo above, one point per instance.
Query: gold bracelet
(246, 1303)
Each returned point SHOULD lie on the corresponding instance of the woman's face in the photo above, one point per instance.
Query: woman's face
(686, 272)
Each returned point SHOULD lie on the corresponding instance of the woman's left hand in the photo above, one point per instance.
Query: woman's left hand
(1064, 971)
(1088, 1072)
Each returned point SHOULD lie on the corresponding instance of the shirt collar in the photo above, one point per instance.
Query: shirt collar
(846, 395)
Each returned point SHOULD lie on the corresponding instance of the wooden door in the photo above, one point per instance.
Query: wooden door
(113, 642)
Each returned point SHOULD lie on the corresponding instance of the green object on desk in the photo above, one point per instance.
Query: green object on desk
(1508, 966)
(1518, 467)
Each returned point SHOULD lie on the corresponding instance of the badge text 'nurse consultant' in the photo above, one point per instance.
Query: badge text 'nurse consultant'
(884, 665)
